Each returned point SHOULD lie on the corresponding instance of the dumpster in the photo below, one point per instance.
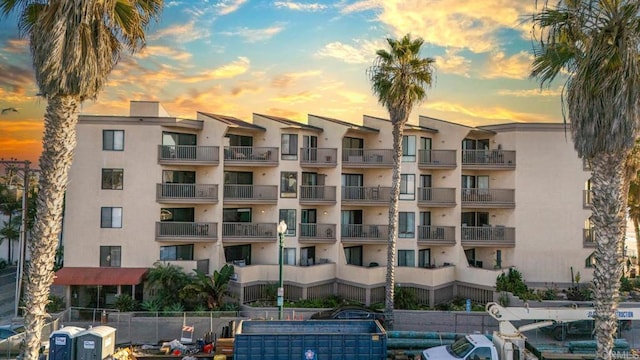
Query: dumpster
(62, 343)
(310, 339)
(95, 343)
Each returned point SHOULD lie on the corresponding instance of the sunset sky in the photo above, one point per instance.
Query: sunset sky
(293, 58)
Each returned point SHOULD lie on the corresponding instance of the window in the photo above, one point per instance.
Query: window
(406, 224)
(289, 217)
(176, 252)
(288, 184)
(177, 214)
(238, 253)
(289, 256)
(113, 140)
(289, 146)
(406, 258)
(352, 149)
(236, 215)
(240, 140)
(407, 186)
(424, 258)
(590, 261)
(112, 179)
(110, 256)
(111, 217)
(409, 148)
(308, 255)
(353, 255)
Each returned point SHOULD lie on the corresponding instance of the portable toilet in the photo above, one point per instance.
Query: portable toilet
(96, 343)
(62, 343)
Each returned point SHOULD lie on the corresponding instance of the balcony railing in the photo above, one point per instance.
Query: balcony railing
(436, 235)
(588, 239)
(319, 157)
(186, 231)
(311, 194)
(367, 158)
(317, 233)
(490, 198)
(440, 197)
(188, 154)
(187, 193)
(251, 156)
(360, 233)
(362, 195)
(488, 159)
(434, 159)
(247, 232)
(488, 236)
(586, 199)
(247, 194)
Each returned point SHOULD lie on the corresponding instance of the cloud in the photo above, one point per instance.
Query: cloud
(532, 92)
(512, 67)
(16, 46)
(164, 51)
(16, 77)
(255, 35)
(292, 5)
(470, 24)
(285, 80)
(363, 52)
(226, 7)
(359, 6)
(354, 97)
(184, 33)
(453, 63)
(303, 96)
(230, 70)
(287, 114)
(245, 87)
(484, 115)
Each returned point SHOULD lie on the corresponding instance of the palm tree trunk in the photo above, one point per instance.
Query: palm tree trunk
(393, 222)
(59, 141)
(636, 228)
(609, 205)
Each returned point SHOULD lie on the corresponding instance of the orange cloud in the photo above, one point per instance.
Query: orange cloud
(484, 115)
(285, 80)
(511, 67)
(296, 98)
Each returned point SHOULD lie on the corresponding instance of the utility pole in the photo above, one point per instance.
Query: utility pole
(22, 243)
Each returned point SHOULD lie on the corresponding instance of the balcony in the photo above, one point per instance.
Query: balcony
(488, 159)
(317, 195)
(250, 194)
(434, 276)
(364, 234)
(259, 273)
(318, 157)
(317, 233)
(176, 231)
(586, 199)
(244, 232)
(436, 235)
(488, 236)
(366, 196)
(436, 159)
(588, 239)
(369, 158)
(187, 193)
(189, 265)
(362, 275)
(488, 198)
(250, 156)
(188, 155)
(437, 197)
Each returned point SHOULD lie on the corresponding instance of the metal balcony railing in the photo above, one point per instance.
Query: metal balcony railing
(251, 155)
(436, 235)
(488, 197)
(187, 192)
(436, 196)
(367, 157)
(189, 231)
(317, 232)
(188, 154)
(327, 157)
(246, 230)
(489, 158)
(317, 194)
(374, 233)
(436, 159)
(488, 236)
(247, 193)
(366, 194)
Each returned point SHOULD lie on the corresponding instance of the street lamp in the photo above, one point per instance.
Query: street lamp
(282, 227)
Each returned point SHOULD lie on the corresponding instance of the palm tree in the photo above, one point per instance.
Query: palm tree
(167, 280)
(596, 42)
(10, 230)
(399, 77)
(74, 44)
(212, 289)
(633, 202)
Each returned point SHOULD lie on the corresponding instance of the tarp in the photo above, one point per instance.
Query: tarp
(99, 276)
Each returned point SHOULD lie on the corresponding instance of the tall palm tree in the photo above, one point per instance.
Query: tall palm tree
(211, 289)
(74, 44)
(399, 77)
(596, 42)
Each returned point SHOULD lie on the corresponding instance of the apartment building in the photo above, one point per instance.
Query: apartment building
(199, 193)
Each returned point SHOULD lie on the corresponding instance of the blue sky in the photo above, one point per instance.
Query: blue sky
(293, 58)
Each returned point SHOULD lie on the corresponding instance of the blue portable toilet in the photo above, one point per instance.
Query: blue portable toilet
(95, 343)
(62, 343)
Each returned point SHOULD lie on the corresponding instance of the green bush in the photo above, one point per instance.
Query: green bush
(513, 282)
(405, 298)
(151, 305)
(55, 304)
(125, 303)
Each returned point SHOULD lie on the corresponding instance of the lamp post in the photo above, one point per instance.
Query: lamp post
(282, 227)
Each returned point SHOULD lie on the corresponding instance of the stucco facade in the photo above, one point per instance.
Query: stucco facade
(202, 192)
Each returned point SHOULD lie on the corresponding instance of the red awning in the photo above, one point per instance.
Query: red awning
(99, 276)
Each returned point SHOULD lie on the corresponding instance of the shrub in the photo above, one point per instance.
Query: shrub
(125, 303)
(55, 304)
